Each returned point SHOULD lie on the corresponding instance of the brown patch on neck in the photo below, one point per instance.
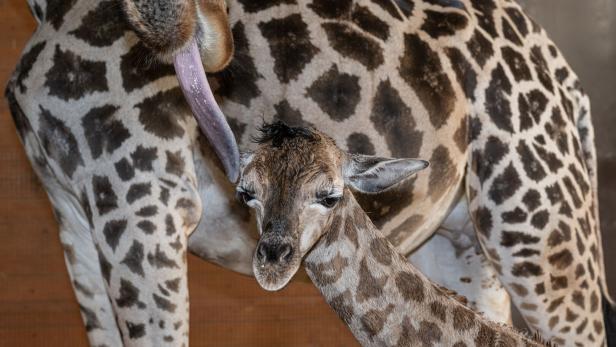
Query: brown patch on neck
(351, 228)
(381, 251)
(319, 272)
(341, 304)
(332, 234)
(463, 318)
(410, 286)
(487, 337)
(368, 286)
(439, 311)
(374, 320)
(428, 334)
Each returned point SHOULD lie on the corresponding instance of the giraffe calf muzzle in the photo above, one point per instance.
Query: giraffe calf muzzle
(275, 262)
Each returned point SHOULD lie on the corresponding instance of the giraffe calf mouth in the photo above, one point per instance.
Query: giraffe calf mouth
(274, 264)
(211, 120)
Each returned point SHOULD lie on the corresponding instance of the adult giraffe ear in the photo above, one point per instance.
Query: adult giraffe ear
(370, 174)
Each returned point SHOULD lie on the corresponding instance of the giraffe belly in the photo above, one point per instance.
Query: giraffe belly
(226, 234)
(453, 258)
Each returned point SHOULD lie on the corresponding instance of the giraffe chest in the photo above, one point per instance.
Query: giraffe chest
(365, 72)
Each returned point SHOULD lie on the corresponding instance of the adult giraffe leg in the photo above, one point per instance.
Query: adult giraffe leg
(76, 237)
(83, 267)
(88, 284)
(453, 259)
(540, 236)
(587, 139)
(141, 247)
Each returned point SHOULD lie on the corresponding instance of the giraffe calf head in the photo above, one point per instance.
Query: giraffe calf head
(296, 180)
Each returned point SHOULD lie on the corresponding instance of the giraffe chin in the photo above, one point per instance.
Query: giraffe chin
(274, 277)
(212, 122)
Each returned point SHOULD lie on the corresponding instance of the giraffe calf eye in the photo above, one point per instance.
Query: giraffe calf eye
(245, 196)
(329, 201)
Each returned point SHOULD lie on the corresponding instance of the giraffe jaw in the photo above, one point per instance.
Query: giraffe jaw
(211, 120)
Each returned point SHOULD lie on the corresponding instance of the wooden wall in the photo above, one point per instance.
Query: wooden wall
(37, 307)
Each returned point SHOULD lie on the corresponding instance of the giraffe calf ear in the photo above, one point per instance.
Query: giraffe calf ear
(370, 174)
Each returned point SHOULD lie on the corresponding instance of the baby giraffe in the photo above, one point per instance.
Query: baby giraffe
(300, 185)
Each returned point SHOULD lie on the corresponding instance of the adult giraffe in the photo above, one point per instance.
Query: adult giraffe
(474, 86)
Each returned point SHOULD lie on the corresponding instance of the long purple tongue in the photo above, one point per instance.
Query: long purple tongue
(210, 118)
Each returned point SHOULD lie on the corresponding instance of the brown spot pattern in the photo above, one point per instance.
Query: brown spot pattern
(374, 320)
(410, 286)
(368, 286)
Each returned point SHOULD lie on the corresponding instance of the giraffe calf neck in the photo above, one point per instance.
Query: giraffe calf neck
(383, 299)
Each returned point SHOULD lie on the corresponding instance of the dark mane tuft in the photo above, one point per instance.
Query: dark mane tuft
(277, 132)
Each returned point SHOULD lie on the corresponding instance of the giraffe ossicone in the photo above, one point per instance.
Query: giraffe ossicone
(307, 197)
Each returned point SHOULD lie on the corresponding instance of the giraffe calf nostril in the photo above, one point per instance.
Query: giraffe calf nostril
(261, 253)
(274, 253)
(285, 253)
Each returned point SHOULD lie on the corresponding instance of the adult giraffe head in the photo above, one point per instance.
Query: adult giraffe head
(195, 34)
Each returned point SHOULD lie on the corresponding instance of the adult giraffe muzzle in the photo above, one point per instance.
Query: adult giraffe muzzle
(196, 35)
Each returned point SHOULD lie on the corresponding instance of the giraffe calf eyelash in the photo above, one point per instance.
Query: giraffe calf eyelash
(244, 195)
(322, 195)
(329, 201)
(245, 190)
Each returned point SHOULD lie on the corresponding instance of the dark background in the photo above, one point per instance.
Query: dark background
(37, 306)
